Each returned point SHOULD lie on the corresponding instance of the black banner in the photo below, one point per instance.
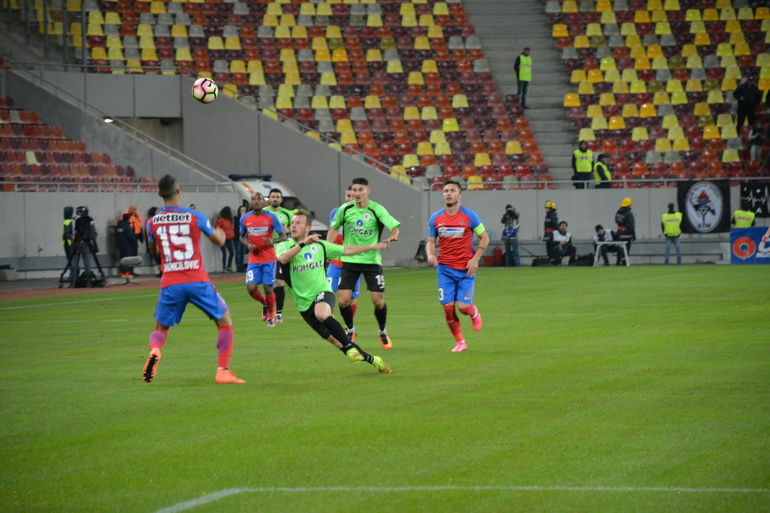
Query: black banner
(705, 206)
(756, 198)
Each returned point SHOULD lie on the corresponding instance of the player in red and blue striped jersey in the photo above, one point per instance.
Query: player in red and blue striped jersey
(453, 226)
(175, 233)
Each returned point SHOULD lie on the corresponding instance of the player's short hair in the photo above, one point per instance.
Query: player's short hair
(307, 215)
(257, 193)
(275, 190)
(449, 181)
(565, 223)
(167, 186)
(360, 181)
(349, 188)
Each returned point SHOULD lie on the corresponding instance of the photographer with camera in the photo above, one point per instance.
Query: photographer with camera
(84, 237)
(510, 236)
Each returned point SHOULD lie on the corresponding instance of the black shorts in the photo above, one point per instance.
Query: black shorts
(375, 279)
(312, 320)
(278, 271)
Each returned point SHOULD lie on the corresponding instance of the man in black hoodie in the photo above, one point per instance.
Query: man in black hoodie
(624, 218)
(748, 96)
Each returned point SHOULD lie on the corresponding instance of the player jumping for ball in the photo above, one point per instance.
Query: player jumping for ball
(175, 233)
(457, 262)
(304, 258)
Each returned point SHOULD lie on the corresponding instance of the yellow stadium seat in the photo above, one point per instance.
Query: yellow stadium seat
(637, 52)
(339, 55)
(675, 133)
(727, 13)
(233, 43)
(282, 32)
(694, 62)
(425, 20)
(570, 100)
(594, 76)
(416, 77)
(411, 113)
(306, 9)
(157, 7)
(319, 43)
(373, 55)
(608, 17)
(482, 159)
(724, 49)
(437, 136)
(762, 13)
(428, 112)
(724, 120)
(617, 123)
(593, 29)
(729, 84)
(702, 109)
(733, 72)
(593, 111)
(333, 32)
(642, 63)
(661, 98)
(586, 134)
(603, 6)
(711, 132)
(94, 29)
(628, 29)
(394, 67)
(689, 50)
(134, 66)
(435, 32)
(442, 147)
(659, 63)
(421, 43)
(408, 20)
(581, 42)
(285, 90)
(611, 75)
(411, 160)
(424, 148)
(407, 8)
(673, 86)
(117, 54)
(147, 42)
(647, 110)
(450, 125)
(429, 66)
(183, 54)
(630, 110)
(374, 20)
(323, 54)
(658, 17)
(638, 86)
(679, 98)
(475, 183)
(654, 51)
(599, 123)
(607, 63)
(702, 39)
(736, 38)
(334, 145)
(586, 88)
(620, 87)
(149, 54)
(710, 15)
(257, 78)
(662, 27)
(763, 84)
(629, 75)
(275, 9)
(693, 85)
(639, 133)
(741, 49)
(512, 148)
(298, 32)
(577, 76)
(337, 101)
(319, 102)
(328, 78)
(669, 121)
(607, 99)
(723, 4)
(459, 101)
(730, 155)
(270, 20)
(715, 97)
(697, 27)
(662, 145)
(692, 15)
(344, 125)
(283, 102)
(440, 9)
(642, 16)
(671, 5)
(728, 132)
(569, 6)
(559, 30)
(254, 67)
(681, 144)
(372, 102)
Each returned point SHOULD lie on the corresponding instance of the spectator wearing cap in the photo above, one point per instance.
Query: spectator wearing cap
(582, 165)
(550, 225)
(624, 218)
(748, 96)
(602, 175)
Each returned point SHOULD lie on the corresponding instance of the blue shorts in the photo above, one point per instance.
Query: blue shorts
(333, 278)
(261, 273)
(454, 285)
(174, 298)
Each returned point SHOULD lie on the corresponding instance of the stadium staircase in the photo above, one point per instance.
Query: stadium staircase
(505, 28)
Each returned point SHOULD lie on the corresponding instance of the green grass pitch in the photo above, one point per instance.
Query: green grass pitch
(641, 389)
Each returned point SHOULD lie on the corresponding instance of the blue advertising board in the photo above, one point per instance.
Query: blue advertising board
(746, 246)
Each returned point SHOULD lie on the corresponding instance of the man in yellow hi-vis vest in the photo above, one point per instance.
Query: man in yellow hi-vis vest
(523, 69)
(743, 218)
(671, 225)
(582, 165)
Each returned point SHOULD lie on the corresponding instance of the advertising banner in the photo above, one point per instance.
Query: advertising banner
(746, 246)
(705, 206)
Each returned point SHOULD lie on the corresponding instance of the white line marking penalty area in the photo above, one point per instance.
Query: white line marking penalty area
(221, 494)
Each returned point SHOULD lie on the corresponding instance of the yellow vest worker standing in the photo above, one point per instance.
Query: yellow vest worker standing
(523, 69)
(602, 175)
(743, 219)
(671, 225)
(582, 165)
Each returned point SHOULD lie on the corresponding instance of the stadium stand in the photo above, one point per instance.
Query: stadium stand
(397, 74)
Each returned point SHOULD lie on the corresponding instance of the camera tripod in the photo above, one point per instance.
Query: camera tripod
(88, 280)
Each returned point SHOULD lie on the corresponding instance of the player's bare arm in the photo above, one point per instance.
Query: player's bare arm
(393, 235)
(473, 263)
(430, 250)
(331, 235)
(218, 236)
(354, 250)
(291, 253)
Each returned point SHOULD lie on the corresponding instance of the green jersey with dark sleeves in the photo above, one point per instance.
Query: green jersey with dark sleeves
(284, 216)
(305, 274)
(363, 227)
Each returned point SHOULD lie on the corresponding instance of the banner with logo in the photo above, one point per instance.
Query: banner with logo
(756, 197)
(746, 246)
(705, 206)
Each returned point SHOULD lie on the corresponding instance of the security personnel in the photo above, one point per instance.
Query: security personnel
(523, 69)
(743, 218)
(602, 175)
(582, 165)
(67, 235)
(671, 225)
(550, 225)
(624, 218)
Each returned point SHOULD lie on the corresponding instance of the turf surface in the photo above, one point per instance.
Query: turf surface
(639, 389)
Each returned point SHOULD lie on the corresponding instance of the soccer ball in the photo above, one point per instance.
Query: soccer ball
(205, 90)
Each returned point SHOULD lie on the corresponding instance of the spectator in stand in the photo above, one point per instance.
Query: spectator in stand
(510, 236)
(240, 249)
(225, 222)
(562, 245)
(748, 96)
(756, 142)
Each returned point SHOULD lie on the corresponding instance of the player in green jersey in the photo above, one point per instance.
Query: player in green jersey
(363, 221)
(284, 215)
(303, 259)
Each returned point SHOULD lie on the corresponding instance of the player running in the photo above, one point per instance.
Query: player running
(175, 233)
(457, 262)
(303, 259)
(335, 269)
(363, 221)
(284, 215)
(257, 228)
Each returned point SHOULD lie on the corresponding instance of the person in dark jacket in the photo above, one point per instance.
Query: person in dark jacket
(624, 218)
(748, 96)
(125, 237)
(550, 225)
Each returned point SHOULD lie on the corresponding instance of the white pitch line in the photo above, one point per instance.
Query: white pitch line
(111, 297)
(213, 497)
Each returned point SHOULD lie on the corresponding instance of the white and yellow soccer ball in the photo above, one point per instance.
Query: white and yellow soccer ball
(205, 90)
